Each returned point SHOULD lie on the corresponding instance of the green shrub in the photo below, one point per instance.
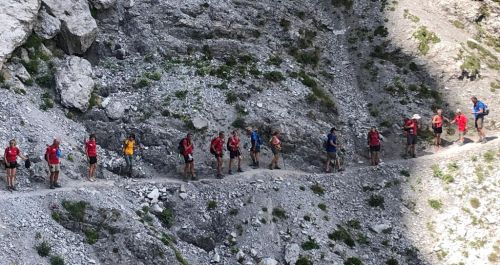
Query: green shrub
(94, 100)
(354, 223)
(92, 236)
(274, 76)
(154, 75)
(33, 41)
(410, 16)
(435, 204)
(317, 189)
(322, 206)
(142, 82)
(353, 261)
(376, 201)
(381, 31)
(471, 64)
(234, 211)
(405, 173)
(247, 59)
(239, 123)
(347, 4)
(474, 202)
(32, 66)
(279, 213)
(167, 217)
(43, 249)
(489, 156)
(181, 94)
(76, 210)
(56, 260)
(307, 57)
(425, 38)
(310, 244)
(46, 81)
(341, 234)
(231, 97)
(275, 60)
(211, 205)
(222, 72)
(303, 260)
(413, 66)
(285, 24)
(392, 261)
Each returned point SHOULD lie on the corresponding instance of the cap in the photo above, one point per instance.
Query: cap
(416, 117)
(459, 111)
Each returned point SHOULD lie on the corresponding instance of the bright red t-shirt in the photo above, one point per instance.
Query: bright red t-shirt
(234, 142)
(91, 148)
(413, 125)
(218, 145)
(11, 154)
(52, 155)
(373, 138)
(461, 121)
(188, 147)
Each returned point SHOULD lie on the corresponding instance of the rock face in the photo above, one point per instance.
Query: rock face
(115, 110)
(292, 253)
(47, 26)
(16, 21)
(74, 82)
(102, 4)
(78, 27)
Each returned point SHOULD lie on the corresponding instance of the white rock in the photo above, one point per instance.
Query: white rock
(183, 196)
(182, 188)
(380, 227)
(292, 253)
(268, 261)
(200, 123)
(215, 258)
(240, 255)
(74, 82)
(156, 208)
(115, 110)
(78, 27)
(47, 26)
(16, 22)
(154, 194)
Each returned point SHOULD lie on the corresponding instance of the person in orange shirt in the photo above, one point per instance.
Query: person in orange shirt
(91, 152)
(276, 149)
(188, 147)
(461, 121)
(10, 160)
(233, 144)
(437, 127)
(129, 146)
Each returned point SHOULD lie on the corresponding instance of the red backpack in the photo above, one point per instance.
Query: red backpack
(374, 138)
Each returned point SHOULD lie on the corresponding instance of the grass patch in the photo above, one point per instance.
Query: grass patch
(167, 217)
(153, 75)
(304, 260)
(471, 64)
(285, 24)
(275, 60)
(322, 206)
(239, 122)
(310, 244)
(231, 97)
(376, 201)
(381, 31)
(310, 57)
(46, 81)
(181, 94)
(211, 205)
(142, 82)
(56, 260)
(43, 249)
(354, 223)
(435, 204)
(341, 234)
(75, 209)
(317, 189)
(489, 156)
(405, 173)
(347, 4)
(91, 235)
(353, 261)
(410, 16)
(425, 38)
(274, 76)
(279, 213)
(234, 211)
(474, 203)
(392, 261)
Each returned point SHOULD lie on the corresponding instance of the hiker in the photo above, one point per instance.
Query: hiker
(374, 146)
(217, 149)
(411, 127)
(461, 121)
(256, 142)
(275, 143)
(10, 159)
(52, 155)
(91, 152)
(479, 110)
(187, 152)
(129, 146)
(233, 146)
(437, 127)
(331, 149)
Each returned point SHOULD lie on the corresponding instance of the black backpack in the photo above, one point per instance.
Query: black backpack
(228, 145)
(27, 163)
(180, 147)
(212, 151)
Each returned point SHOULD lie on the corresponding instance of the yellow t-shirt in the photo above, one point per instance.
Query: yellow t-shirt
(128, 149)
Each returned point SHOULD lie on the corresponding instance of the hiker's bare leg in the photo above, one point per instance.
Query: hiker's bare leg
(56, 177)
(230, 164)
(12, 177)
(376, 158)
(327, 166)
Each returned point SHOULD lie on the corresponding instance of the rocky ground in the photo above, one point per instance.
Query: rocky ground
(163, 68)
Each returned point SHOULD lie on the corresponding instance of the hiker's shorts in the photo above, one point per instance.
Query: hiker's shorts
(478, 122)
(92, 160)
(275, 150)
(255, 149)
(438, 130)
(234, 154)
(54, 168)
(411, 139)
(188, 159)
(331, 155)
(11, 165)
(374, 148)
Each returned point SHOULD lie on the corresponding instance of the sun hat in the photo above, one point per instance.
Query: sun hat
(416, 117)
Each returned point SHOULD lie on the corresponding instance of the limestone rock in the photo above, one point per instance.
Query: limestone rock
(200, 123)
(154, 194)
(215, 258)
(74, 82)
(102, 4)
(379, 228)
(47, 26)
(268, 261)
(17, 18)
(115, 110)
(292, 253)
(78, 27)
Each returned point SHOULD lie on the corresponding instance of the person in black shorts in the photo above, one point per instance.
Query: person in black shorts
(374, 145)
(217, 149)
(187, 145)
(10, 160)
(233, 145)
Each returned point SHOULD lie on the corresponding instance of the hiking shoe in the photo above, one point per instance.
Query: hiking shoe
(230, 172)
(51, 187)
(13, 188)
(239, 170)
(414, 156)
(57, 185)
(276, 167)
(9, 188)
(220, 176)
(271, 167)
(194, 177)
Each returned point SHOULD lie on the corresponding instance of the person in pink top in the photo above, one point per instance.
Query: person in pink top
(91, 152)
(187, 147)
(10, 159)
(52, 155)
(276, 149)
(461, 121)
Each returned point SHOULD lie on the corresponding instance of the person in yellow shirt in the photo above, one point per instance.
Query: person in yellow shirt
(129, 146)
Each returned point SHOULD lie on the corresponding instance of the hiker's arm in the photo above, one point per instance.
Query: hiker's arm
(22, 156)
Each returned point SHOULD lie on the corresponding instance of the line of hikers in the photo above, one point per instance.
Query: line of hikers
(233, 145)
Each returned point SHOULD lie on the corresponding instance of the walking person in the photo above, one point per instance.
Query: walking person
(217, 149)
(91, 152)
(374, 146)
(461, 121)
(256, 142)
(275, 143)
(129, 146)
(188, 147)
(233, 146)
(479, 110)
(10, 159)
(52, 155)
(331, 150)
(411, 126)
(437, 127)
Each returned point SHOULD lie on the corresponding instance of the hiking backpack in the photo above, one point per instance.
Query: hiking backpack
(228, 144)
(486, 110)
(180, 147)
(212, 151)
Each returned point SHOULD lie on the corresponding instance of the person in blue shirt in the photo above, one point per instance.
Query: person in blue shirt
(479, 111)
(256, 142)
(331, 149)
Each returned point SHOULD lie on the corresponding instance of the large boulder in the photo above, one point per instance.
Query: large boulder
(17, 18)
(47, 26)
(78, 27)
(102, 4)
(74, 82)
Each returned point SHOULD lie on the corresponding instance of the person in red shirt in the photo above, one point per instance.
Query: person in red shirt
(437, 127)
(233, 144)
(187, 146)
(461, 121)
(52, 155)
(91, 152)
(217, 149)
(10, 159)
(374, 146)
(411, 127)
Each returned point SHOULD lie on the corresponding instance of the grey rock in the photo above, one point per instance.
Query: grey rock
(78, 27)
(268, 261)
(380, 227)
(200, 123)
(240, 255)
(183, 196)
(74, 82)
(16, 22)
(102, 4)
(215, 258)
(156, 208)
(47, 26)
(292, 253)
(154, 195)
(115, 110)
